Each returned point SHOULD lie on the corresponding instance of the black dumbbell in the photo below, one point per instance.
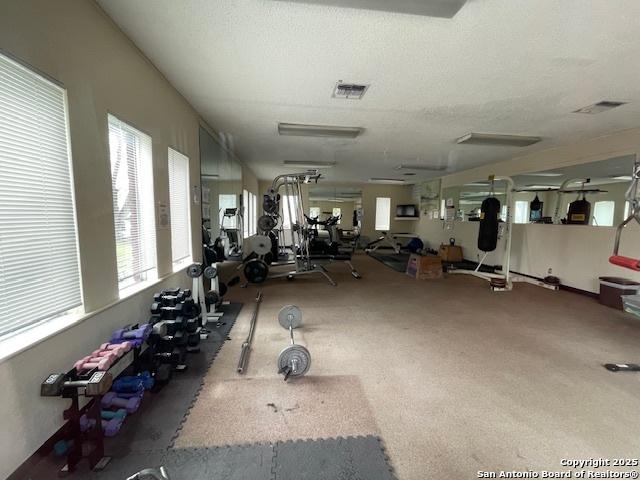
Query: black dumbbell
(188, 308)
(193, 339)
(192, 325)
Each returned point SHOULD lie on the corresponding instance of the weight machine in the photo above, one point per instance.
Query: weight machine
(256, 269)
(631, 302)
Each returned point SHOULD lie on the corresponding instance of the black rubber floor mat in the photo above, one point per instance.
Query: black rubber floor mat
(398, 262)
(352, 458)
(238, 462)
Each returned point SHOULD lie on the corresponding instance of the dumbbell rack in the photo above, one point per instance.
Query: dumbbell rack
(96, 458)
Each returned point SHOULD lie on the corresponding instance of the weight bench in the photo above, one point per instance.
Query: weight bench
(340, 257)
(390, 240)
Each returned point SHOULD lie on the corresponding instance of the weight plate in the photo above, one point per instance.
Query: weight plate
(260, 244)
(222, 289)
(256, 271)
(290, 314)
(194, 270)
(269, 205)
(296, 357)
(211, 272)
(266, 223)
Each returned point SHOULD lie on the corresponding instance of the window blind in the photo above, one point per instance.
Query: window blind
(254, 213)
(246, 214)
(39, 270)
(179, 208)
(383, 213)
(133, 202)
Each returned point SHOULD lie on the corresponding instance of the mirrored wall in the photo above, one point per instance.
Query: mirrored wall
(221, 184)
(595, 193)
(337, 203)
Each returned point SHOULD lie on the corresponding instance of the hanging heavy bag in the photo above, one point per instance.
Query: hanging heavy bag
(488, 232)
(579, 212)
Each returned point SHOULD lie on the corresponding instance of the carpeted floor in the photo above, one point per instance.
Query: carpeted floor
(453, 377)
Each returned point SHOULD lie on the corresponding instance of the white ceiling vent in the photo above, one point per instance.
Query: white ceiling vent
(599, 107)
(351, 91)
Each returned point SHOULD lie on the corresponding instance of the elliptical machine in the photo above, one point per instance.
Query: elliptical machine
(318, 245)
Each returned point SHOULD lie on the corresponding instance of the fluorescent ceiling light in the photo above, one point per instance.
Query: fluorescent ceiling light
(404, 166)
(626, 178)
(541, 186)
(302, 163)
(543, 174)
(385, 180)
(599, 107)
(479, 184)
(432, 8)
(210, 176)
(300, 130)
(497, 139)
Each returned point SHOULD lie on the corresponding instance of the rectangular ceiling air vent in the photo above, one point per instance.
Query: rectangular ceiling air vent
(300, 130)
(497, 140)
(599, 107)
(350, 91)
(430, 168)
(308, 164)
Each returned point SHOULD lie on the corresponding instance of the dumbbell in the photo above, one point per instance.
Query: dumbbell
(109, 427)
(98, 384)
(124, 346)
(295, 359)
(112, 399)
(89, 363)
(136, 335)
(119, 350)
(133, 383)
(111, 414)
(188, 308)
(169, 300)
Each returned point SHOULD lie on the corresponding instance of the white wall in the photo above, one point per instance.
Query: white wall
(577, 254)
(74, 42)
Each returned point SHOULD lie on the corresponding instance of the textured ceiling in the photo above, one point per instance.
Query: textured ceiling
(508, 66)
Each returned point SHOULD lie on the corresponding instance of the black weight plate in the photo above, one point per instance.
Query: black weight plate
(256, 271)
(266, 223)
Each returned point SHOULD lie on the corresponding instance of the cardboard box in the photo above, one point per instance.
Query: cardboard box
(451, 253)
(424, 267)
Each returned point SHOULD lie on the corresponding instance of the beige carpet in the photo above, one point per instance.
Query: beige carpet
(453, 377)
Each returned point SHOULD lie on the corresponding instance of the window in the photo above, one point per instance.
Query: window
(383, 213)
(443, 209)
(288, 201)
(179, 208)
(603, 213)
(314, 212)
(226, 200)
(39, 270)
(245, 214)
(522, 212)
(336, 213)
(627, 210)
(253, 218)
(133, 204)
(250, 219)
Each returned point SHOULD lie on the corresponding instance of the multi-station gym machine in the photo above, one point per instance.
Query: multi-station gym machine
(263, 252)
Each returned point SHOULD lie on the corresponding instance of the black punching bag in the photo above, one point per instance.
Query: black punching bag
(488, 233)
(579, 212)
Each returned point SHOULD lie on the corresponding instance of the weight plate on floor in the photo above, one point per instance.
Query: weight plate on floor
(211, 272)
(297, 358)
(290, 314)
(266, 223)
(194, 270)
(256, 271)
(260, 244)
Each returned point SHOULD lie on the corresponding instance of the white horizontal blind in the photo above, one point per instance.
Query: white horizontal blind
(254, 213)
(39, 270)
(133, 204)
(246, 214)
(383, 213)
(179, 207)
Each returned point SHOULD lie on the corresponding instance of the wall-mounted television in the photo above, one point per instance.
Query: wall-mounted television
(410, 211)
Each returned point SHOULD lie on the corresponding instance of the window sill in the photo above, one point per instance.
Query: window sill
(182, 264)
(136, 287)
(31, 337)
